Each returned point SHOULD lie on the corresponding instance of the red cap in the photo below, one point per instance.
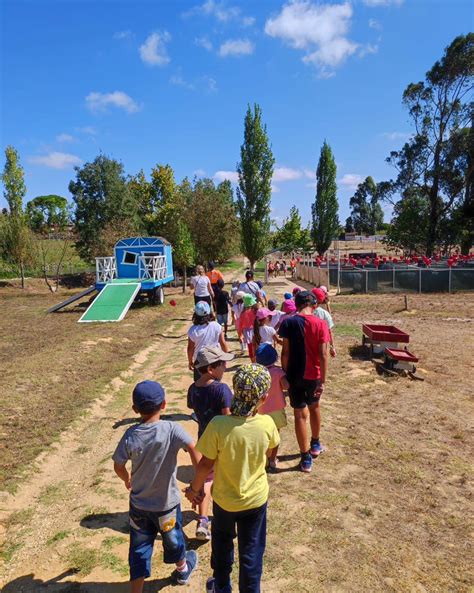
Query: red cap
(319, 294)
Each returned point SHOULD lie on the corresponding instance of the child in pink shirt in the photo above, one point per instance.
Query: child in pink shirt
(274, 405)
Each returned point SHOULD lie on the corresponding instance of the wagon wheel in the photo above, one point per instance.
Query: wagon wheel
(157, 296)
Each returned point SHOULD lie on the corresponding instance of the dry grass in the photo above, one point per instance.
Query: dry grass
(52, 366)
(387, 508)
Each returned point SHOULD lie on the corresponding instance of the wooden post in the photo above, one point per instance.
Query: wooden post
(406, 303)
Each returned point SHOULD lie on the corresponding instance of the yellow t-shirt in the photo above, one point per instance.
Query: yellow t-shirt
(239, 446)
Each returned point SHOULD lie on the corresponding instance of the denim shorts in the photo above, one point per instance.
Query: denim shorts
(144, 527)
(222, 318)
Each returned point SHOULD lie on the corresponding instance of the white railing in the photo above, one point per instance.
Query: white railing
(105, 269)
(152, 267)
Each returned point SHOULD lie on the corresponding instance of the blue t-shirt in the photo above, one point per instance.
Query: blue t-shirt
(153, 449)
(208, 402)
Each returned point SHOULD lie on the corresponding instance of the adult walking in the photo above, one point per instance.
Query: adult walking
(304, 358)
(251, 287)
(201, 285)
(214, 275)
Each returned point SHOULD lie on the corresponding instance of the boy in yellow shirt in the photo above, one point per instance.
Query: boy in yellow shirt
(236, 447)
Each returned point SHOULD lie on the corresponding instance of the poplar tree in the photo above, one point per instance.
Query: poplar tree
(325, 208)
(255, 172)
(15, 235)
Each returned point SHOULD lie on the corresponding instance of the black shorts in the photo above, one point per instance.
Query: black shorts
(302, 393)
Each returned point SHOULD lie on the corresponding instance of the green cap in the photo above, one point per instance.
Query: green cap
(249, 300)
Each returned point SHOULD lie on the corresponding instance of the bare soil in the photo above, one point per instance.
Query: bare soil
(388, 506)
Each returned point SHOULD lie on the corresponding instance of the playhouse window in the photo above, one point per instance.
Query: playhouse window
(129, 258)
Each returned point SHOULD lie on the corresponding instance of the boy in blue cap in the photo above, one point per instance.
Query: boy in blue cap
(152, 446)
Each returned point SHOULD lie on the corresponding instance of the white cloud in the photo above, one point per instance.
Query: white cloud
(56, 160)
(367, 50)
(351, 180)
(100, 101)
(374, 24)
(123, 35)
(211, 84)
(286, 174)
(375, 3)
(223, 175)
(309, 173)
(396, 135)
(320, 30)
(89, 130)
(153, 51)
(204, 42)
(236, 47)
(178, 80)
(64, 138)
(221, 12)
(199, 173)
(275, 190)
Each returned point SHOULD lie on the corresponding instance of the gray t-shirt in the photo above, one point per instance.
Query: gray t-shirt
(153, 449)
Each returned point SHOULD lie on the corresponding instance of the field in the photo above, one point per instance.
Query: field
(388, 507)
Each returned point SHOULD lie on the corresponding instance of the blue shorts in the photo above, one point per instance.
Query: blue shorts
(144, 527)
(222, 318)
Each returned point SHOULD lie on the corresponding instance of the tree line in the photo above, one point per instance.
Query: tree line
(432, 193)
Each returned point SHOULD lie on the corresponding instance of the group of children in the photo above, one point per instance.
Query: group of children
(238, 434)
(275, 268)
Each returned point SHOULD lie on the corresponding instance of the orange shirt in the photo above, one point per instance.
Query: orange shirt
(214, 276)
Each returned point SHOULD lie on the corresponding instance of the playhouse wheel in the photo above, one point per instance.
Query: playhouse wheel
(157, 296)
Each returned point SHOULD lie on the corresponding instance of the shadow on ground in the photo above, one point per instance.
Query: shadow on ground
(30, 584)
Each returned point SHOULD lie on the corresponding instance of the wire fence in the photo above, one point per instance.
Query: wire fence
(394, 279)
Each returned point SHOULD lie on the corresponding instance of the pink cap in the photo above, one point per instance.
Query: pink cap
(319, 294)
(322, 287)
(263, 313)
(289, 306)
(296, 289)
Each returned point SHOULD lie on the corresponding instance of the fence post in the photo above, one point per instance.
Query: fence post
(419, 280)
(366, 281)
(393, 277)
(449, 279)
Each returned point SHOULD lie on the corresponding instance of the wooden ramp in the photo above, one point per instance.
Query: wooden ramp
(112, 303)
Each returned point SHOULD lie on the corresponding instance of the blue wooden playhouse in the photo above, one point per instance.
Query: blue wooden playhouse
(139, 265)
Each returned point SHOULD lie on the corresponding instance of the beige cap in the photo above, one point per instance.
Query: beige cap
(210, 354)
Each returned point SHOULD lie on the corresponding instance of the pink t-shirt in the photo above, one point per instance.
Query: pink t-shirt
(275, 398)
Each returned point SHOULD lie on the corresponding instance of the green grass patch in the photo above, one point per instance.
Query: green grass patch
(113, 540)
(57, 537)
(8, 550)
(230, 266)
(114, 563)
(345, 306)
(82, 560)
(52, 494)
(19, 518)
(354, 331)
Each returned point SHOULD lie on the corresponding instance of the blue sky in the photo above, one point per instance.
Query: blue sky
(157, 81)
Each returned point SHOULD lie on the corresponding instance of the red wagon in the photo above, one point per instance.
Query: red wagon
(379, 337)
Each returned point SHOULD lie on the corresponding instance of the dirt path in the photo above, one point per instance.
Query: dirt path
(387, 508)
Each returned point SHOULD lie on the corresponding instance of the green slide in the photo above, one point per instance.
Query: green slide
(112, 302)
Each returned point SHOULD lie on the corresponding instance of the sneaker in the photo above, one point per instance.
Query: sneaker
(211, 586)
(306, 463)
(272, 466)
(316, 448)
(202, 530)
(182, 578)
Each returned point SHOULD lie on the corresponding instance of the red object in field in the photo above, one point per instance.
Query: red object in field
(401, 355)
(173, 303)
(385, 333)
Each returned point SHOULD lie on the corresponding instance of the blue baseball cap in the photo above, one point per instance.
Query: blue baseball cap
(266, 355)
(287, 296)
(202, 308)
(148, 396)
